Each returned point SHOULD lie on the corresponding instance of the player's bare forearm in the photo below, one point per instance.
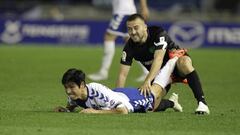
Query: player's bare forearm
(123, 73)
(60, 109)
(145, 88)
(154, 70)
(144, 9)
(121, 110)
(71, 108)
(121, 81)
(156, 65)
(68, 108)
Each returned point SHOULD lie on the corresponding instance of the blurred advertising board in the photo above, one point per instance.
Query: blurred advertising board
(51, 32)
(188, 34)
(194, 34)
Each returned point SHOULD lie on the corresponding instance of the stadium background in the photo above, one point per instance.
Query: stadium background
(41, 39)
(191, 23)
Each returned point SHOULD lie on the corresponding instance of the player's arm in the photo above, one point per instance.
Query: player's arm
(119, 110)
(122, 76)
(156, 65)
(144, 9)
(68, 108)
(71, 107)
(157, 62)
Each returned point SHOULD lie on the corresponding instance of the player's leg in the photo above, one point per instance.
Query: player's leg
(109, 50)
(184, 66)
(163, 77)
(172, 54)
(116, 28)
(161, 104)
(160, 83)
(158, 93)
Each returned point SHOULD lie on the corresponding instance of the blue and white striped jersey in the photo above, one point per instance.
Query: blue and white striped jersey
(101, 97)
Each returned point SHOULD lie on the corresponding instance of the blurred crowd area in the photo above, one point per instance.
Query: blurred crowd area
(167, 10)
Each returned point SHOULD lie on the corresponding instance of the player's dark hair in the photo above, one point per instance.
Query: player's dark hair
(134, 17)
(73, 75)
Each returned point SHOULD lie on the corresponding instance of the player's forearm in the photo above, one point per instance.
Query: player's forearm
(114, 111)
(154, 69)
(71, 108)
(122, 110)
(61, 109)
(68, 108)
(121, 81)
(144, 9)
(156, 65)
(143, 4)
(122, 76)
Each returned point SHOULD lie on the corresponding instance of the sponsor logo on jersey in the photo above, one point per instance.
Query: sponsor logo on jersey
(188, 34)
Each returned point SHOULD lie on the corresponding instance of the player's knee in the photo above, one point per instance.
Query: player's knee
(157, 90)
(184, 65)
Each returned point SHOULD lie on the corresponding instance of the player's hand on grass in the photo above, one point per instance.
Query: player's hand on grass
(60, 109)
(145, 89)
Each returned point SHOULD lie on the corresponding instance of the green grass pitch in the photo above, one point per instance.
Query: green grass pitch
(30, 87)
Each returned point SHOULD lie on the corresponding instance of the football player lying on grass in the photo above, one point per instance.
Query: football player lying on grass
(97, 98)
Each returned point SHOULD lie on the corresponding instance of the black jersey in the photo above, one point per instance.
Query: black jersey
(157, 39)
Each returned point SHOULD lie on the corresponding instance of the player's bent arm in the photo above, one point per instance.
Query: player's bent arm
(156, 65)
(122, 76)
(119, 110)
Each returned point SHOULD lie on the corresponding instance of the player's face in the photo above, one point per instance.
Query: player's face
(72, 90)
(137, 30)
